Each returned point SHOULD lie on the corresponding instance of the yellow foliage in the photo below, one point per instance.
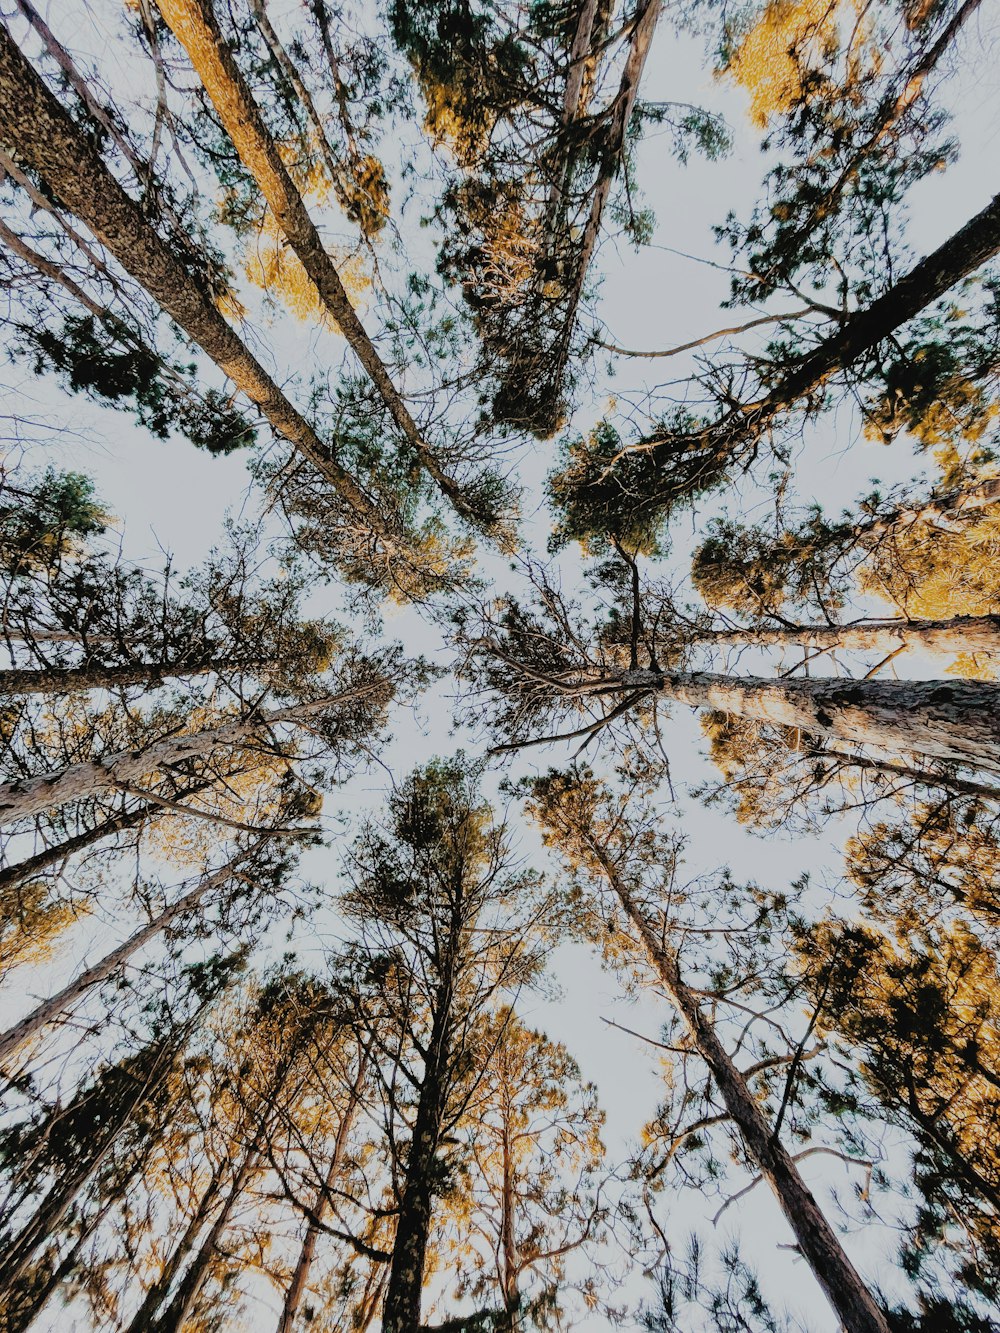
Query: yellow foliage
(936, 573)
(31, 928)
(778, 50)
(273, 266)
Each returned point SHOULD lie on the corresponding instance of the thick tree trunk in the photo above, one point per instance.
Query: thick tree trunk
(816, 1239)
(65, 680)
(40, 133)
(194, 26)
(955, 720)
(33, 796)
(49, 1010)
(303, 1265)
(961, 634)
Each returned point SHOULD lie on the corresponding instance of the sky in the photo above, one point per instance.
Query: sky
(168, 497)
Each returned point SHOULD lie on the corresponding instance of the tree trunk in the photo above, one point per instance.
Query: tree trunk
(20, 1252)
(40, 133)
(961, 634)
(33, 796)
(194, 26)
(621, 115)
(51, 856)
(300, 1275)
(816, 1239)
(144, 1317)
(958, 720)
(174, 1316)
(960, 256)
(49, 1010)
(401, 1312)
(64, 680)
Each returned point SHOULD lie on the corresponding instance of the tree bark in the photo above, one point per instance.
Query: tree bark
(33, 796)
(65, 680)
(194, 26)
(401, 1311)
(143, 1319)
(49, 1010)
(961, 634)
(60, 851)
(816, 1239)
(300, 1275)
(37, 130)
(957, 721)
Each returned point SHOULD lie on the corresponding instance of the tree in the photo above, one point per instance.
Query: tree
(601, 841)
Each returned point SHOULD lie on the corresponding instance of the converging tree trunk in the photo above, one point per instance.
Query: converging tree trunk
(194, 26)
(66, 680)
(49, 1010)
(40, 133)
(303, 1265)
(816, 1239)
(961, 634)
(33, 796)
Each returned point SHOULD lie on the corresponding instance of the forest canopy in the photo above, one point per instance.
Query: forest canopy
(499, 666)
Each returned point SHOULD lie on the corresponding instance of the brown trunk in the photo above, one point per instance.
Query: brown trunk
(174, 1316)
(39, 132)
(816, 1239)
(33, 796)
(960, 256)
(64, 680)
(49, 1010)
(300, 1275)
(611, 154)
(961, 634)
(144, 1316)
(194, 26)
(51, 856)
(508, 1242)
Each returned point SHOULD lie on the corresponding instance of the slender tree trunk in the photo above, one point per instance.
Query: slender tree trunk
(65, 680)
(576, 96)
(816, 1239)
(300, 1275)
(947, 510)
(144, 1317)
(401, 1312)
(960, 256)
(194, 26)
(19, 1253)
(611, 156)
(961, 634)
(946, 781)
(508, 1241)
(49, 1010)
(173, 1318)
(40, 133)
(60, 851)
(33, 796)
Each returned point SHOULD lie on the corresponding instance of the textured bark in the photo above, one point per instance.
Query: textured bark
(33, 796)
(49, 1010)
(65, 680)
(194, 26)
(961, 634)
(816, 1239)
(40, 133)
(303, 1265)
